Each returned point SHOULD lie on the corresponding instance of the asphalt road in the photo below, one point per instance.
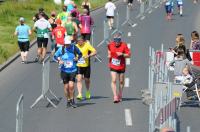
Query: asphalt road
(98, 114)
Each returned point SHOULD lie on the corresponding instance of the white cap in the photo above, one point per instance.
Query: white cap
(67, 40)
(21, 19)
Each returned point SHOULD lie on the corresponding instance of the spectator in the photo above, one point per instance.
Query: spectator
(185, 78)
(195, 42)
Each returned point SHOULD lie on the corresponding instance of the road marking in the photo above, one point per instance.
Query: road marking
(129, 45)
(128, 117)
(134, 25)
(142, 18)
(126, 82)
(129, 34)
(128, 61)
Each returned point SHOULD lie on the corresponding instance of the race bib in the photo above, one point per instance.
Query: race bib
(81, 61)
(180, 2)
(115, 62)
(68, 64)
(46, 35)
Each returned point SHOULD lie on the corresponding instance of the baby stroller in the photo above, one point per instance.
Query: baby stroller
(192, 90)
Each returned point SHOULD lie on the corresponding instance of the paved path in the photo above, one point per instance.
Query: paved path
(99, 114)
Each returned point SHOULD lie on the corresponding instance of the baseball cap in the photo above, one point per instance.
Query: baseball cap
(67, 41)
(21, 19)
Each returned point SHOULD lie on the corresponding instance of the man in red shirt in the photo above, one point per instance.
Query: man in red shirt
(117, 54)
(59, 34)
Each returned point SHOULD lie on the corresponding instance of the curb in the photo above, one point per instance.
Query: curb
(14, 57)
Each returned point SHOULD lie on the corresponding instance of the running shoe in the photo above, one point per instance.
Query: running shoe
(68, 103)
(73, 104)
(116, 100)
(88, 95)
(79, 97)
(22, 62)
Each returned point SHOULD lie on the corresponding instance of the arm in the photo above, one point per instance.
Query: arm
(78, 52)
(127, 53)
(109, 53)
(16, 32)
(76, 27)
(92, 50)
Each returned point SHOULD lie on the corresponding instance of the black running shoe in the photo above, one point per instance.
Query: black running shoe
(73, 104)
(68, 104)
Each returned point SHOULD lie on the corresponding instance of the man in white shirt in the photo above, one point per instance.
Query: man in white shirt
(110, 12)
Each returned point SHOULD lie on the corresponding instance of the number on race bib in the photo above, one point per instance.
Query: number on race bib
(68, 64)
(81, 61)
(115, 62)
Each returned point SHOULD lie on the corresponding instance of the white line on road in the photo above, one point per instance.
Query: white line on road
(128, 117)
(126, 82)
(128, 61)
(142, 18)
(129, 45)
(129, 34)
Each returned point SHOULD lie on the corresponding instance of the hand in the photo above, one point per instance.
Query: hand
(76, 58)
(61, 62)
(85, 57)
(119, 53)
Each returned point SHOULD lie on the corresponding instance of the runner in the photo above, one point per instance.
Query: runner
(42, 28)
(66, 57)
(195, 1)
(168, 8)
(71, 28)
(117, 52)
(110, 9)
(22, 32)
(130, 3)
(84, 67)
(180, 7)
(58, 34)
(86, 23)
(52, 21)
(63, 15)
(36, 17)
(86, 5)
(69, 5)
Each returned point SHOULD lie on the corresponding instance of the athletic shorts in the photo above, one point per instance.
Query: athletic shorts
(117, 71)
(109, 17)
(42, 42)
(85, 71)
(168, 8)
(130, 1)
(66, 77)
(86, 36)
(24, 46)
(179, 4)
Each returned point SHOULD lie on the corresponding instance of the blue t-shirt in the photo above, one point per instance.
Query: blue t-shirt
(68, 57)
(23, 32)
(70, 7)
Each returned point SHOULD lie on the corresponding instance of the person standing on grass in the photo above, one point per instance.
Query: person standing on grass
(110, 12)
(42, 28)
(22, 32)
(118, 51)
(85, 25)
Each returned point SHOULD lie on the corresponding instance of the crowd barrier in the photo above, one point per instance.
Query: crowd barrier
(106, 34)
(19, 113)
(128, 18)
(45, 84)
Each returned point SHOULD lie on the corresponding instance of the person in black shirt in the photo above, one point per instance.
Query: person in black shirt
(36, 17)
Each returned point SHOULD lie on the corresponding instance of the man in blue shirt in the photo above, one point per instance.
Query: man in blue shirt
(22, 32)
(67, 57)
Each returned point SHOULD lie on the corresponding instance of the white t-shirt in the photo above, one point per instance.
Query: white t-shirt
(110, 7)
(66, 2)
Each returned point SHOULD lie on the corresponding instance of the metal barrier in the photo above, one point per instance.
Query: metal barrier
(106, 34)
(19, 113)
(142, 11)
(117, 23)
(97, 57)
(128, 19)
(150, 6)
(45, 84)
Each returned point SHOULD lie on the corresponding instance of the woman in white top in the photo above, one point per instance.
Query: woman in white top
(110, 12)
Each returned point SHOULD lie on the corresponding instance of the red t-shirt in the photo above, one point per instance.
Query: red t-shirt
(59, 34)
(118, 62)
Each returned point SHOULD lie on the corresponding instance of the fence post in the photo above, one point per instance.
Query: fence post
(106, 34)
(19, 113)
(117, 24)
(142, 11)
(149, 9)
(128, 19)
(188, 128)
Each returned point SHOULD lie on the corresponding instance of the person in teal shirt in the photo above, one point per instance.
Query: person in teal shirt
(22, 32)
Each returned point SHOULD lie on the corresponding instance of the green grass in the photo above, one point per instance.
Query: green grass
(11, 10)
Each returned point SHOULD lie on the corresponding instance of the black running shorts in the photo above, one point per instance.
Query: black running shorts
(85, 71)
(42, 42)
(66, 77)
(117, 71)
(86, 36)
(24, 46)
